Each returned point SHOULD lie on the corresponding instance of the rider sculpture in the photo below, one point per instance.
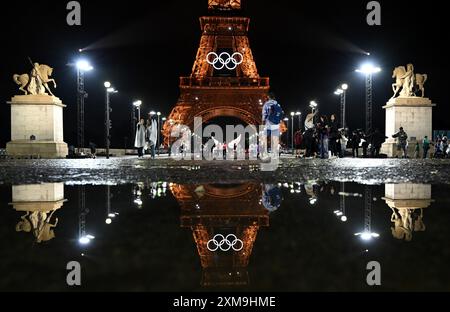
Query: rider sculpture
(407, 83)
(36, 83)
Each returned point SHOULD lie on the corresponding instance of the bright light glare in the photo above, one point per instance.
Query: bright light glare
(312, 201)
(107, 84)
(84, 65)
(137, 103)
(366, 236)
(84, 240)
(368, 69)
(344, 87)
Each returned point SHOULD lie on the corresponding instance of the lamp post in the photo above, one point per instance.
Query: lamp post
(342, 92)
(369, 70)
(136, 105)
(82, 67)
(313, 105)
(158, 128)
(108, 90)
(299, 114)
(286, 120)
(292, 132)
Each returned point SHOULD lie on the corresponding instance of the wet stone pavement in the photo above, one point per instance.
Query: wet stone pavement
(129, 170)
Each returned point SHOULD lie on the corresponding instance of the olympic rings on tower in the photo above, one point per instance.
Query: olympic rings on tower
(225, 243)
(224, 59)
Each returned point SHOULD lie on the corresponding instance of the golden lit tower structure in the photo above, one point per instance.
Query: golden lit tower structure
(224, 81)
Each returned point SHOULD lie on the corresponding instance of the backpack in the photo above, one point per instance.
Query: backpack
(276, 113)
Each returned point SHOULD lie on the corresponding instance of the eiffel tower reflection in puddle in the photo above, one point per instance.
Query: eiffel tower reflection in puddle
(225, 209)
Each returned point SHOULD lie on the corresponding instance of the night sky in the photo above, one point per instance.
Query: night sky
(307, 48)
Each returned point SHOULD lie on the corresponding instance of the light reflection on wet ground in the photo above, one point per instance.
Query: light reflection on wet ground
(129, 170)
(296, 236)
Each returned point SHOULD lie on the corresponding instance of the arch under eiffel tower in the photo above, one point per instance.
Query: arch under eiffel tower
(209, 93)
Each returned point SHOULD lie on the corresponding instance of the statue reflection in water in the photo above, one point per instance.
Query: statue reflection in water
(39, 202)
(407, 202)
(217, 212)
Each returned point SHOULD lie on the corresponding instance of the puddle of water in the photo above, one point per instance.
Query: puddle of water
(287, 237)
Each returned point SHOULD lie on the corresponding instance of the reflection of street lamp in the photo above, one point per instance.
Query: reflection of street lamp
(109, 214)
(108, 90)
(86, 239)
(82, 67)
(369, 70)
(367, 234)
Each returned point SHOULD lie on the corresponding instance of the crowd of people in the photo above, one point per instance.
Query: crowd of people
(324, 138)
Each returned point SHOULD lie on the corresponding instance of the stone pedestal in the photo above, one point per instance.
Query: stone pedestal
(415, 115)
(407, 203)
(38, 203)
(38, 197)
(408, 196)
(37, 127)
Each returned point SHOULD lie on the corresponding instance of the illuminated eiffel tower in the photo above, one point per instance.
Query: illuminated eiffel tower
(210, 92)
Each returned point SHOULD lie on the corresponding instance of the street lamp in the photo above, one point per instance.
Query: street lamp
(157, 128)
(342, 92)
(313, 105)
(292, 132)
(108, 90)
(136, 105)
(369, 70)
(82, 67)
(299, 115)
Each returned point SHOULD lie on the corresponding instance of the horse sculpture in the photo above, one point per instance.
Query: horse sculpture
(27, 85)
(400, 74)
(39, 223)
